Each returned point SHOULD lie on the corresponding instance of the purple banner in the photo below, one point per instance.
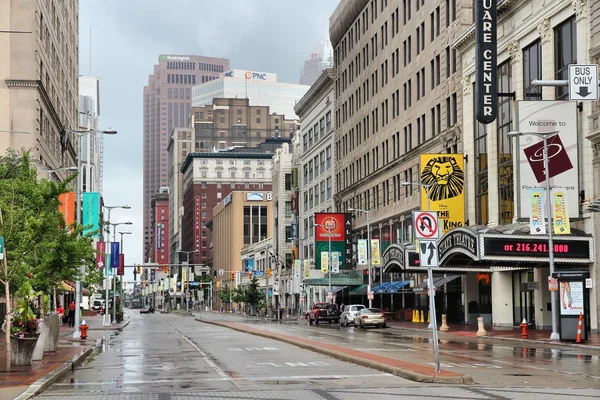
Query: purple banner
(114, 254)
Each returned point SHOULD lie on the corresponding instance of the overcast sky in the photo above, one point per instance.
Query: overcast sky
(128, 35)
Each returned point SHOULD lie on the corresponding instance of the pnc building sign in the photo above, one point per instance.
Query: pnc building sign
(486, 86)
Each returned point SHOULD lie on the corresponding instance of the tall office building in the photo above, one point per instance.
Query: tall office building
(91, 144)
(39, 62)
(167, 102)
(321, 59)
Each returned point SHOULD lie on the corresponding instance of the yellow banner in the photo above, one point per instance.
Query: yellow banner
(324, 262)
(561, 214)
(183, 274)
(445, 191)
(375, 254)
(307, 268)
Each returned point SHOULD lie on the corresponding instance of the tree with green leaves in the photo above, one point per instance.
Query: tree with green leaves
(225, 294)
(38, 244)
(253, 295)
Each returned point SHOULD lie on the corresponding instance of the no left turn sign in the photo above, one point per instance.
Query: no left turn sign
(426, 225)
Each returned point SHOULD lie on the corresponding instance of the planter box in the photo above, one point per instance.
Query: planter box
(53, 323)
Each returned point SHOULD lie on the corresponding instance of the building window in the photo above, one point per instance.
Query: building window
(328, 121)
(481, 173)
(288, 181)
(288, 209)
(505, 158)
(532, 69)
(565, 53)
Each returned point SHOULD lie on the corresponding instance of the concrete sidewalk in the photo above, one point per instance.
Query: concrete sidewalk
(25, 382)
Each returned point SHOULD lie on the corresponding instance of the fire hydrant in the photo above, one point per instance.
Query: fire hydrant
(524, 332)
(83, 329)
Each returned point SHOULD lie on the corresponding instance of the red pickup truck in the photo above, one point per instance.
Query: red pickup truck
(324, 312)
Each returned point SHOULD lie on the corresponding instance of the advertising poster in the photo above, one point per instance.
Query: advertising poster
(306, 268)
(561, 214)
(91, 213)
(537, 217)
(324, 261)
(376, 258)
(444, 175)
(362, 252)
(571, 298)
(338, 228)
(557, 119)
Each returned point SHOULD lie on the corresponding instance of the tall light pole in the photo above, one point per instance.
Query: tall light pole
(368, 213)
(553, 298)
(114, 304)
(187, 271)
(106, 274)
(79, 135)
(328, 229)
(122, 252)
(433, 319)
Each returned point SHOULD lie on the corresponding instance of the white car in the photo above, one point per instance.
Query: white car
(350, 312)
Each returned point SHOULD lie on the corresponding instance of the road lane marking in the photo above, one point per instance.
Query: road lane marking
(252, 348)
(203, 354)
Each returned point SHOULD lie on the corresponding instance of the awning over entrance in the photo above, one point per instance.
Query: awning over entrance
(484, 249)
(361, 290)
(66, 287)
(71, 285)
(350, 278)
(338, 289)
(389, 287)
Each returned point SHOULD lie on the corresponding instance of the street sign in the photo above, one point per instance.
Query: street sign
(588, 283)
(428, 254)
(221, 272)
(426, 225)
(329, 296)
(1, 248)
(370, 295)
(258, 273)
(552, 284)
(583, 82)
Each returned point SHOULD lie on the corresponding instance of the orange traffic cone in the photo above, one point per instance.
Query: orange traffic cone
(579, 328)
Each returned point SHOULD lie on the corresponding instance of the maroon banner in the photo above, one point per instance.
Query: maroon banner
(100, 254)
(121, 267)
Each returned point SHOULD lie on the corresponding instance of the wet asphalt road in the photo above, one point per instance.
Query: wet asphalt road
(167, 357)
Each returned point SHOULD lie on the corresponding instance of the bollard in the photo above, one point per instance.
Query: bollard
(444, 326)
(422, 317)
(414, 318)
(524, 332)
(480, 328)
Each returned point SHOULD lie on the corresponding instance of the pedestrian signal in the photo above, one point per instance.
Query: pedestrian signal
(166, 269)
(218, 284)
(250, 274)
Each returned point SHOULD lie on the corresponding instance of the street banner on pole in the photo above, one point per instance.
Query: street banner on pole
(306, 268)
(121, 267)
(375, 253)
(67, 207)
(362, 251)
(91, 213)
(561, 214)
(537, 219)
(114, 254)
(100, 254)
(324, 261)
(335, 261)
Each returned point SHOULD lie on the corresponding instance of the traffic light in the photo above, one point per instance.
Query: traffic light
(250, 274)
(268, 272)
(232, 275)
(166, 269)
(139, 269)
(218, 284)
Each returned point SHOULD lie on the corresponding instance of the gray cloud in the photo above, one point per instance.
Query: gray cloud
(127, 37)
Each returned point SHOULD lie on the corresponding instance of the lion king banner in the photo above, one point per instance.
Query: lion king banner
(443, 189)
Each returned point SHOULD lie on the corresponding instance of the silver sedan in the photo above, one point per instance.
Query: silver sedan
(370, 317)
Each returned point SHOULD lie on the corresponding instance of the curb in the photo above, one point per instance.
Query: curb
(52, 377)
(403, 373)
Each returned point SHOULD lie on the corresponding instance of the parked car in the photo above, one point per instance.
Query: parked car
(350, 313)
(370, 317)
(97, 304)
(323, 312)
(147, 310)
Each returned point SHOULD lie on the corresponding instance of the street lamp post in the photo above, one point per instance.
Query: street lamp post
(328, 229)
(368, 213)
(187, 272)
(122, 252)
(553, 298)
(109, 208)
(114, 305)
(79, 135)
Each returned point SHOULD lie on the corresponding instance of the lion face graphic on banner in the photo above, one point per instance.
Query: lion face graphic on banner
(445, 176)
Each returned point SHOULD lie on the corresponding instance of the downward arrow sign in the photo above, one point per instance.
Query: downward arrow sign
(583, 91)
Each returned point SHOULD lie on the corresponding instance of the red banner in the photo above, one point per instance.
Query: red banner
(100, 254)
(121, 267)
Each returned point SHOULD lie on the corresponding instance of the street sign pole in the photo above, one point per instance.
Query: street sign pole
(427, 231)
